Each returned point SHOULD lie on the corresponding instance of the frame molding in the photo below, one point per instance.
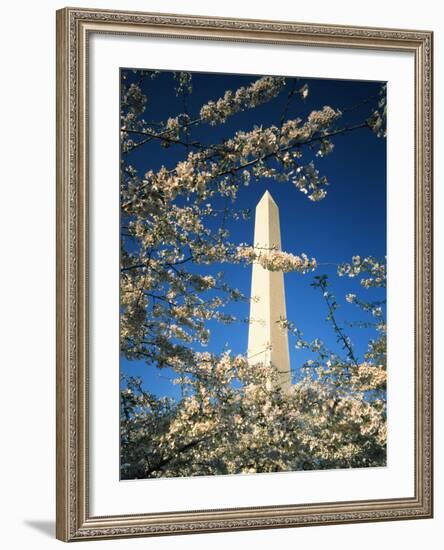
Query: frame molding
(73, 521)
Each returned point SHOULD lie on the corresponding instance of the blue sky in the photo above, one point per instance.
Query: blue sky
(350, 220)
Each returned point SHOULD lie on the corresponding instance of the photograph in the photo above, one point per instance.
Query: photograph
(253, 244)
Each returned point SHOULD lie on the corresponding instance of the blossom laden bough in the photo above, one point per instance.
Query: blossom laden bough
(368, 265)
(276, 260)
(260, 91)
(378, 120)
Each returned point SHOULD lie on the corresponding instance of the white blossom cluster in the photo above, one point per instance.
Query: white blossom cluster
(320, 120)
(368, 265)
(183, 82)
(307, 180)
(276, 260)
(378, 120)
(260, 91)
(369, 377)
(135, 100)
(228, 422)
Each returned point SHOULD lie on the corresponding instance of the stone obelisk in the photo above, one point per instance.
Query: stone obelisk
(267, 341)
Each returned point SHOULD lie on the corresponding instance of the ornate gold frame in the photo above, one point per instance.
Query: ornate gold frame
(73, 519)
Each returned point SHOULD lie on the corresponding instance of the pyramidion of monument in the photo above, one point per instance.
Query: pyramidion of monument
(267, 340)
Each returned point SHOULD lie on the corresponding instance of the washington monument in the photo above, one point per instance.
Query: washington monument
(267, 341)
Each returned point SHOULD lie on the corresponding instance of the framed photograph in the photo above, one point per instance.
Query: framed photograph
(244, 274)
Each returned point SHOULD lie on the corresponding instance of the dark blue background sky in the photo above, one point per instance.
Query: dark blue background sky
(350, 220)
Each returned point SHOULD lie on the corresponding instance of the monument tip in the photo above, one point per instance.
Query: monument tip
(267, 197)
